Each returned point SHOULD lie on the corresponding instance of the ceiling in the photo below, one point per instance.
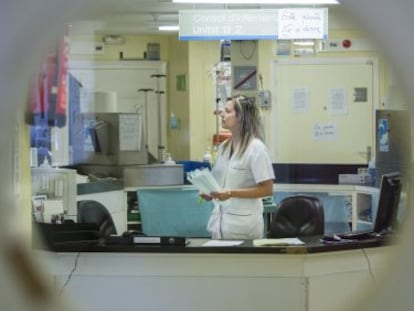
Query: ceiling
(139, 16)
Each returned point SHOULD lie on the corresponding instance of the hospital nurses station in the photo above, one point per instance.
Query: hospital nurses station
(124, 130)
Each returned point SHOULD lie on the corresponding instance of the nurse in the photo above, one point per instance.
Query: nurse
(244, 171)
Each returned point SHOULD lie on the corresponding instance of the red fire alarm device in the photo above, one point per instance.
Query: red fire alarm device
(346, 43)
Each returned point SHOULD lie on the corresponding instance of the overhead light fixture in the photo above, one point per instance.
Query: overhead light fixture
(285, 2)
(169, 28)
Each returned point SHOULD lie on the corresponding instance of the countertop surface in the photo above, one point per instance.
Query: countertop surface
(311, 244)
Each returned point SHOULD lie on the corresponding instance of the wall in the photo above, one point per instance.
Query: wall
(194, 106)
(134, 47)
(202, 56)
(178, 100)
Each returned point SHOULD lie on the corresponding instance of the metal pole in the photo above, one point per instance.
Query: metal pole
(146, 114)
(158, 92)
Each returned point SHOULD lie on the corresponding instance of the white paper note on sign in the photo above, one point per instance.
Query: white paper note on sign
(130, 133)
(301, 24)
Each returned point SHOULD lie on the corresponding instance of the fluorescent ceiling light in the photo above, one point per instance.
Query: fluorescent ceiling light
(286, 2)
(169, 28)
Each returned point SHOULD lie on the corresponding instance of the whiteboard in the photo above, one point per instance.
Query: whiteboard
(125, 78)
(323, 110)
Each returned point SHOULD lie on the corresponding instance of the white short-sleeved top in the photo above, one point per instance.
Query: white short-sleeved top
(236, 172)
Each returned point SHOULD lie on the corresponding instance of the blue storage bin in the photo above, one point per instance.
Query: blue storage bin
(173, 211)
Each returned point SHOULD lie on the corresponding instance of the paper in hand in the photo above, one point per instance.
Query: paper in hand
(203, 180)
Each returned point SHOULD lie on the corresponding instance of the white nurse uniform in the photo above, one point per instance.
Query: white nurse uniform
(239, 218)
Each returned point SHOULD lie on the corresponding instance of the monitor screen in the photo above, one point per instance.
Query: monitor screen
(389, 198)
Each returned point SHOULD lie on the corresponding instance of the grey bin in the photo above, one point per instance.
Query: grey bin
(153, 175)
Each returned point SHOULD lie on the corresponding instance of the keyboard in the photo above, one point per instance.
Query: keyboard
(356, 235)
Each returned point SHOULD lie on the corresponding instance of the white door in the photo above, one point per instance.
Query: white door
(323, 110)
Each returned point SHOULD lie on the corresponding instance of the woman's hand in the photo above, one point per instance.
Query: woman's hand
(221, 195)
(205, 196)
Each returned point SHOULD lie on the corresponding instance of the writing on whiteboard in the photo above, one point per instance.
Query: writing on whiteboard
(301, 24)
(324, 131)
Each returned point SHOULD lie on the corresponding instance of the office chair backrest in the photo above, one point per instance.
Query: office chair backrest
(296, 216)
(90, 211)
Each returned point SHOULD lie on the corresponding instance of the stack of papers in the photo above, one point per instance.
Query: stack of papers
(203, 180)
(277, 242)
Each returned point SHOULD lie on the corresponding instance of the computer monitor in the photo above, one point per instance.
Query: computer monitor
(389, 198)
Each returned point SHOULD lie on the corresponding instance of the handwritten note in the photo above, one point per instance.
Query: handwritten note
(324, 131)
(301, 24)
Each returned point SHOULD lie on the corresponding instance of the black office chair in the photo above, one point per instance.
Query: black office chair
(295, 216)
(90, 211)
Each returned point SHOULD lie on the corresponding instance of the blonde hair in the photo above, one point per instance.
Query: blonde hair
(248, 117)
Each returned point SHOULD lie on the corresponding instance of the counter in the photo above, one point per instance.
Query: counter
(313, 277)
(125, 245)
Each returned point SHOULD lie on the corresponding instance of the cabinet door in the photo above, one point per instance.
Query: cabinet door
(324, 110)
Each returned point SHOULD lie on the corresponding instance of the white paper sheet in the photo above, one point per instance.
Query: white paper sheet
(277, 242)
(222, 243)
(300, 100)
(203, 180)
(130, 132)
(337, 102)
